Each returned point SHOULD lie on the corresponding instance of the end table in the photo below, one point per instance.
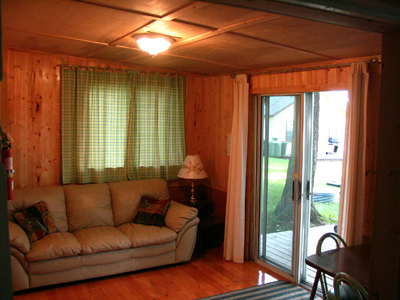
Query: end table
(210, 229)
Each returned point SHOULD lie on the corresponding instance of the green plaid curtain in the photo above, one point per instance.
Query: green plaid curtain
(121, 125)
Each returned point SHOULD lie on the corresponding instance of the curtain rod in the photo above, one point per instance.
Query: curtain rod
(118, 69)
(372, 61)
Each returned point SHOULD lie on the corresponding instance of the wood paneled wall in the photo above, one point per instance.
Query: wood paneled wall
(208, 121)
(31, 113)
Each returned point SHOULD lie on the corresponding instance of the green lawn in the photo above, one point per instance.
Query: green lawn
(327, 171)
(277, 170)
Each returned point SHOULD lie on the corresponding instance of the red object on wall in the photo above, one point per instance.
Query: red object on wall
(7, 160)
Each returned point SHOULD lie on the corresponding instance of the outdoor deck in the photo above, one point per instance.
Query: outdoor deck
(279, 247)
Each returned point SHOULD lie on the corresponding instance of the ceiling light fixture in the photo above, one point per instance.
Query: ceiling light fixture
(153, 43)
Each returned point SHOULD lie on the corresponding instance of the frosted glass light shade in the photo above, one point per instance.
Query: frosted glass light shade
(192, 168)
(153, 44)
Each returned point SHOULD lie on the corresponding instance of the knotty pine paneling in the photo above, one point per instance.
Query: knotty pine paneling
(31, 112)
(208, 121)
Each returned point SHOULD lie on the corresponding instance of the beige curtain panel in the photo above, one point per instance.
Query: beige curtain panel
(235, 207)
(353, 178)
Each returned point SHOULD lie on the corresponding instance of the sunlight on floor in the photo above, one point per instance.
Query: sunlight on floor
(265, 278)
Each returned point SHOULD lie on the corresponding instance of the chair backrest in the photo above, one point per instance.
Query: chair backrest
(352, 290)
(333, 236)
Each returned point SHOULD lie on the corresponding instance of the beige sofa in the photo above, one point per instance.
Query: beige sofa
(96, 236)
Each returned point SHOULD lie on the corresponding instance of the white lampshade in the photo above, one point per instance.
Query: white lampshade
(153, 43)
(192, 168)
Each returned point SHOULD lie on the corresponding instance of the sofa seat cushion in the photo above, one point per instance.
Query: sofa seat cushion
(108, 257)
(55, 265)
(154, 250)
(146, 235)
(54, 245)
(101, 238)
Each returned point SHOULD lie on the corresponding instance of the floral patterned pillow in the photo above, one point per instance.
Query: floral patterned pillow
(36, 221)
(152, 211)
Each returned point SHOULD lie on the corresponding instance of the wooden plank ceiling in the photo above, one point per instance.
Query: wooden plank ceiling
(210, 39)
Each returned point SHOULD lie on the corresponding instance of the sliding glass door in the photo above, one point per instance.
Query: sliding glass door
(280, 183)
(298, 170)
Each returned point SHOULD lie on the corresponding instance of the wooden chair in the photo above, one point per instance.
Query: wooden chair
(337, 238)
(350, 290)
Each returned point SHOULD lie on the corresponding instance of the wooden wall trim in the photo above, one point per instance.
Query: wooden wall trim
(314, 66)
(298, 89)
(371, 152)
(326, 79)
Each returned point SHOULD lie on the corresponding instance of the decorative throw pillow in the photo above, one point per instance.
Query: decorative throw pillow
(152, 211)
(36, 221)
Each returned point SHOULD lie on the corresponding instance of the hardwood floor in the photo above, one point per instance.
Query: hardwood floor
(201, 277)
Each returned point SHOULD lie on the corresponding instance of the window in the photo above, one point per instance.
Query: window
(108, 125)
(121, 125)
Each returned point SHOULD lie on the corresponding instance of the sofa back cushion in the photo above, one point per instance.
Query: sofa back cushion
(53, 196)
(88, 205)
(126, 196)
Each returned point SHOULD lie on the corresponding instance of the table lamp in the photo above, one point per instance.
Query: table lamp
(192, 169)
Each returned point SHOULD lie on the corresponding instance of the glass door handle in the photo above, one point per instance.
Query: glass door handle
(293, 189)
(298, 190)
(296, 196)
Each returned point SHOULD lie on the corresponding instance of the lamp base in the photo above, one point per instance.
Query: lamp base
(192, 200)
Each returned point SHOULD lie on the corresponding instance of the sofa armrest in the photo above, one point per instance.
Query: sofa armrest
(18, 238)
(178, 215)
(186, 241)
